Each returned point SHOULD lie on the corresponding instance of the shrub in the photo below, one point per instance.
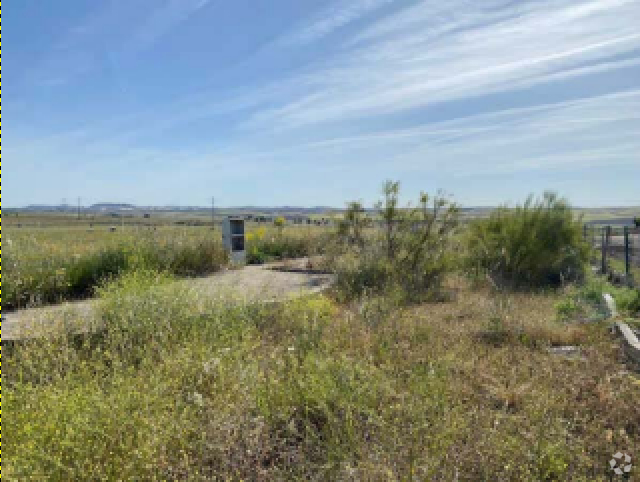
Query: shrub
(412, 251)
(351, 228)
(537, 244)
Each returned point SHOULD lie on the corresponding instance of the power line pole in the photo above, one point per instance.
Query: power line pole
(213, 213)
(78, 208)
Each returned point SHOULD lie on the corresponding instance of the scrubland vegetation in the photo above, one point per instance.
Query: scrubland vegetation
(47, 266)
(428, 360)
(265, 245)
(44, 266)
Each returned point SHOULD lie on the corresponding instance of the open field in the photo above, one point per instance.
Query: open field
(441, 352)
(65, 262)
(317, 390)
(609, 215)
(164, 218)
(57, 220)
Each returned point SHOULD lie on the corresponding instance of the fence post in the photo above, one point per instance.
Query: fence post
(627, 254)
(603, 247)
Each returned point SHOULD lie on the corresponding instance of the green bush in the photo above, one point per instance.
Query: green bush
(537, 244)
(411, 252)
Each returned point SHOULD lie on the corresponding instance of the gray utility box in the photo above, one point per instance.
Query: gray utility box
(233, 237)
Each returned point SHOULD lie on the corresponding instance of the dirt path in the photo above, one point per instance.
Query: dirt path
(251, 283)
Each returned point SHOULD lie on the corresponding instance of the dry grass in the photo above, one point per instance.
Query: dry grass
(464, 389)
(47, 266)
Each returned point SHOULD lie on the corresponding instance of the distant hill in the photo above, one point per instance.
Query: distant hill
(47, 207)
(592, 215)
(111, 207)
(125, 207)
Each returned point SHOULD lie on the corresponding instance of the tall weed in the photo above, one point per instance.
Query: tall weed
(36, 275)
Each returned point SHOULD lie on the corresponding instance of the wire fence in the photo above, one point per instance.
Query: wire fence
(616, 251)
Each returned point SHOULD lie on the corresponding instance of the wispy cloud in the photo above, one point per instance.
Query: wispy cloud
(431, 54)
(595, 132)
(376, 97)
(570, 136)
(331, 19)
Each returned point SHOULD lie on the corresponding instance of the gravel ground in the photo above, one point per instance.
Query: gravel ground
(250, 283)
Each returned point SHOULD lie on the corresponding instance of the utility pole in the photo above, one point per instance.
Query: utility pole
(78, 208)
(213, 213)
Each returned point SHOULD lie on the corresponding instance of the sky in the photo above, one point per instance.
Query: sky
(317, 102)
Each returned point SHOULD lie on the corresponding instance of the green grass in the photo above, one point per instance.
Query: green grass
(325, 387)
(312, 388)
(619, 266)
(44, 266)
(271, 244)
(586, 302)
(591, 214)
(49, 266)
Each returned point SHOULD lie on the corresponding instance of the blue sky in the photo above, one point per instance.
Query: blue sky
(316, 102)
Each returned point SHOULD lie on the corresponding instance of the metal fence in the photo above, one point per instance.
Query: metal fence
(616, 251)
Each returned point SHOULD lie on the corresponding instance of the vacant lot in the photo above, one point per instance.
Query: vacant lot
(61, 263)
(312, 389)
(421, 363)
(251, 283)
